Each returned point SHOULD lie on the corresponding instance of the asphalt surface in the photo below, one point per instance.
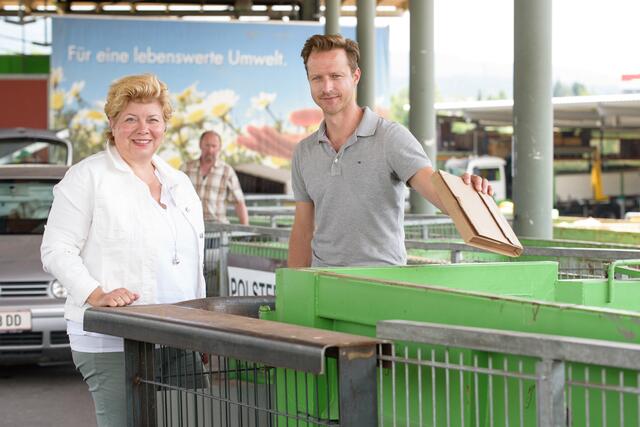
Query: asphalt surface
(35, 396)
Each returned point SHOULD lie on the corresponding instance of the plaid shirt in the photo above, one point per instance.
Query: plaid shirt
(220, 185)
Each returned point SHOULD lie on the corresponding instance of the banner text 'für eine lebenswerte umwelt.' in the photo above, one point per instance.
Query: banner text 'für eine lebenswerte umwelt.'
(138, 55)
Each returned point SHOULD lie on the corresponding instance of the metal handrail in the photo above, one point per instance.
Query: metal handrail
(216, 227)
(268, 197)
(553, 347)
(592, 253)
(557, 356)
(189, 325)
(208, 327)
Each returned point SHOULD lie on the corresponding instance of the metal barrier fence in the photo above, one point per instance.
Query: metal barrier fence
(444, 375)
(573, 263)
(271, 243)
(205, 363)
(268, 200)
(429, 227)
(221, 240)
(416, 226)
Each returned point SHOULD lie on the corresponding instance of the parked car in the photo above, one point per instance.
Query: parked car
(29, 146)
(32, 325)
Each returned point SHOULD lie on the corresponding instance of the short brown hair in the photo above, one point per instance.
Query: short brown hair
(210, 132)
(324, 43)
(137, 88)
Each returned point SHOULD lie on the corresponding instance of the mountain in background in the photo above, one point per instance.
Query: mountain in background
(459, 80)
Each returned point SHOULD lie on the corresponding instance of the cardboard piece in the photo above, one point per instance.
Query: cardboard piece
(476, 216)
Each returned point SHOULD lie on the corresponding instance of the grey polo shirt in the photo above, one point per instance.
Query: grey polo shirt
(358, 192)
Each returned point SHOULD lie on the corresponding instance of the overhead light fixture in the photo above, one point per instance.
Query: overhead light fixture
(259, 8)
(282, 8)
(349, 8)
(151, 7)
(46, 8)
(215, 8)
(83, 7)
(185, 8)
(387, 8)
(13, 7)
(116, 7)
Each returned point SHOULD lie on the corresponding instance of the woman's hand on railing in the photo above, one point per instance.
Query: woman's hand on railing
(116, 298)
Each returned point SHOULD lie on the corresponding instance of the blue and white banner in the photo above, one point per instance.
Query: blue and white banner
(244, 80)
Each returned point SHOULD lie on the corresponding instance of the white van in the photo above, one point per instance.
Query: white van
(489, 167)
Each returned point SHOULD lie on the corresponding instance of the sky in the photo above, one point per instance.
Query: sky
(595, 42)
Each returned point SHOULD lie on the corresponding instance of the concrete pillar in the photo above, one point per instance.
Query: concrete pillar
(422, 116)
(332, 17)
(366, 37)
(532, 120)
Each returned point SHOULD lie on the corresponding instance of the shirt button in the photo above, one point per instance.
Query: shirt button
(201, 235)
(187, 209)
(335, 161)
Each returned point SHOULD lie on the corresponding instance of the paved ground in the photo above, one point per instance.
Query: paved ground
(34, 396)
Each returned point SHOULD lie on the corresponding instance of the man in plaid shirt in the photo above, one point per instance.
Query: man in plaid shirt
(215, 181)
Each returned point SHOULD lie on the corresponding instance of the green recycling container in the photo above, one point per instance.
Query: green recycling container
(523, 296)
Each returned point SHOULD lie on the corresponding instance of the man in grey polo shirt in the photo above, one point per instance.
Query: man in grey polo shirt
(349, 176)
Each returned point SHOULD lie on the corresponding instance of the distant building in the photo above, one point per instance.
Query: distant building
(631, 83)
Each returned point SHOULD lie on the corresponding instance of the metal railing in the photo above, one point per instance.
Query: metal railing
(443, 375)
(417, 226)
(221, 240)
(268, 199)
(224, 240)
(420, 226)
(210, 362)
(206, 363)
(573, 263)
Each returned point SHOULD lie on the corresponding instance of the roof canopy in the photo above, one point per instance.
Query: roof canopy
(606, 111)
(273, 9)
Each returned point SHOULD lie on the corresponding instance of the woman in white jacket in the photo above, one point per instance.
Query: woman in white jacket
(124, 228)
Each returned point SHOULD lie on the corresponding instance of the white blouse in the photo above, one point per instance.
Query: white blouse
(176, 262)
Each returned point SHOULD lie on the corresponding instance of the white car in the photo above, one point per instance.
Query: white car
(32, 326)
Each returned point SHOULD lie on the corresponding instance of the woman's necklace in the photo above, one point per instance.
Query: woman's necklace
(167, 215)
(174, 233)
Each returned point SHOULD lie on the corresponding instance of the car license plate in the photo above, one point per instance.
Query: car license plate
(13, 321)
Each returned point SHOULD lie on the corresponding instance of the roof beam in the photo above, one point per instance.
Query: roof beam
(234, 8)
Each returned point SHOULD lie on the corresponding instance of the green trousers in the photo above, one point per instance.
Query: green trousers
(104, 374)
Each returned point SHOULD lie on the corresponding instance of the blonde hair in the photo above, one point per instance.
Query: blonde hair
(325, 43)
(139, 88)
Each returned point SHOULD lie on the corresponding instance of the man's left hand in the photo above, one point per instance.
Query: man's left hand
(478, 183)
